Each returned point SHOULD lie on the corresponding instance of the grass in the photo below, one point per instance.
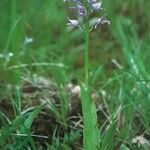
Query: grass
(39, 97)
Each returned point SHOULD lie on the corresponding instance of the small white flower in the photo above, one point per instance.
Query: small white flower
(96, 6)
(73, 23)
(10, 54)
(28, 40)
(101, 21)
(1, 55)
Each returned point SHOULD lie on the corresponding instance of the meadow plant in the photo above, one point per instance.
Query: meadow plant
(84, 10)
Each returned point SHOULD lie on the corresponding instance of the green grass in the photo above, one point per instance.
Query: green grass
(38, 109)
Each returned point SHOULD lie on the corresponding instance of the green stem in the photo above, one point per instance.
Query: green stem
(86, 55)
(90, 132)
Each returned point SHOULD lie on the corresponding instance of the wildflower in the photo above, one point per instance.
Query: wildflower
(81, 10)
(28, 40)
(96, 6)
(100, 21)
(91, 1)
(1, 55)
(10, 54)
(73, 23)
(6, 56)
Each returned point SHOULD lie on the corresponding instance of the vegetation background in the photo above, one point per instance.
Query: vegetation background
(41, 65)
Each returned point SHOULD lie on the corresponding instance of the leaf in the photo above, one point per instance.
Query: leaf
(28, 122)
(5, 132)
(108, 137)
(97, 73)
(90, 132)
(124, 147)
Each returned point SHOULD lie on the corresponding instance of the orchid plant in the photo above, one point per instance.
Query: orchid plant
(84, 9)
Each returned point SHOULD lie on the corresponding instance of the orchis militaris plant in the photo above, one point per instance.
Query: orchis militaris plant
(84, 9)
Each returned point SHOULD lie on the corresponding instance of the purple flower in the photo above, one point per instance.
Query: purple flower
(81, 10)
(73, 23)
(96, 6)
(101, 21)
(91, 1)
(79, 7)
